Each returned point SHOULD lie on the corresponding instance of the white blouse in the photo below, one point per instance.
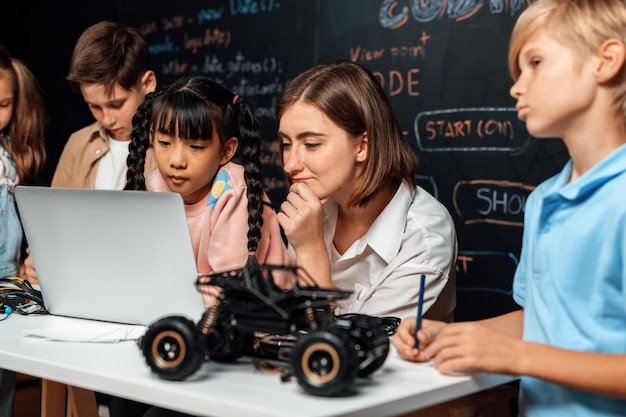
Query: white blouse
(414, 235)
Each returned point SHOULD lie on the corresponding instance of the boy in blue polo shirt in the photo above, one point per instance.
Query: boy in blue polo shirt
(568, 343)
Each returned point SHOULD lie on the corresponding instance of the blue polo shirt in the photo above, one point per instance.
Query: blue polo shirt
(571, 279)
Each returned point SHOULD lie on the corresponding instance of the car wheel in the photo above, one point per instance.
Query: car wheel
(170, 349)
(322, 363)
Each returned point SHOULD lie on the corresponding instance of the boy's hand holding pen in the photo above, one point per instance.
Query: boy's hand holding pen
(405, 340)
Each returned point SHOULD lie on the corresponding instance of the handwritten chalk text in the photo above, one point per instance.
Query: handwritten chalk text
(392, 15)
(415, 49)
(470, 129)
(491, 201)
(473, 267)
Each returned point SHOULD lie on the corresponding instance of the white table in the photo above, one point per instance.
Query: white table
(223, 389)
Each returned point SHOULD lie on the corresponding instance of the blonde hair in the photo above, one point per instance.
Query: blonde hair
(582, 25)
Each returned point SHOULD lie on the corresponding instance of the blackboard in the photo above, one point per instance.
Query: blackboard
(443, 64)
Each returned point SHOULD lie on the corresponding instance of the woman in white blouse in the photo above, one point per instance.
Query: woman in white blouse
(354, 215)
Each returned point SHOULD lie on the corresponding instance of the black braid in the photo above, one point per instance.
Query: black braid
(139, 144)
(248, 153)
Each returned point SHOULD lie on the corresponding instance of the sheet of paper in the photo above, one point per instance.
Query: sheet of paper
(89, 331)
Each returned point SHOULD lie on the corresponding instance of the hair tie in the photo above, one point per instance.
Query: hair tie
(235, 99)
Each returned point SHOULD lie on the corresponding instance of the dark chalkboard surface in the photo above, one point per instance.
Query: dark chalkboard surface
(443, 64)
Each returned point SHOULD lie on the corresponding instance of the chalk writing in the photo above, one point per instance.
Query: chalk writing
(275, 183)
(147, 28)
(393, 16)
(271, 158)
(364, 55)
(247, 88)
(164, 47)
(470, 129)
(240, 65)
(175, 22)
(471, 264)
(215, 66)
(252, 7)
(270, 154)
(415, 49)
(412, 51)
(491, 201)
(174, 67)
(211, 37)
(396, 82)
(210, 14)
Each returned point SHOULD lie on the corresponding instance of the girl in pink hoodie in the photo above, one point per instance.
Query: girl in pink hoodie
(206, 143)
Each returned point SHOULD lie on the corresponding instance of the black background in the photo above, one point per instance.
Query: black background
(445, 71)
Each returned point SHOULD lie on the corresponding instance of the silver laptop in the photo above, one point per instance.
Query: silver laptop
(118, 256)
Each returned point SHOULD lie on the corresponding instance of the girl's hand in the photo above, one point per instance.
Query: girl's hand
(404, 338)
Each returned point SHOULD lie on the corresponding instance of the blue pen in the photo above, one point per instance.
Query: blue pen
(418, 325)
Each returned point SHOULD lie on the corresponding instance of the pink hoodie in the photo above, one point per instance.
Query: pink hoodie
(218, 225)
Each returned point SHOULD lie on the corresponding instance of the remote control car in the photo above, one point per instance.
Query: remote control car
(254, 317)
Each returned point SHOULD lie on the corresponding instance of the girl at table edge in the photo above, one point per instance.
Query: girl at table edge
(22, 159)
(354, 216)
(569, 341)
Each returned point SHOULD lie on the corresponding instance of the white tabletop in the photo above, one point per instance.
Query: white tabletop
(222, 389)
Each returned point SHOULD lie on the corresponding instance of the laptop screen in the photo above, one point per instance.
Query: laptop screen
(111, 255)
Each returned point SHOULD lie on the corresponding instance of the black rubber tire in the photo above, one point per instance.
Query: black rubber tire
(170, 348)
(323, 363)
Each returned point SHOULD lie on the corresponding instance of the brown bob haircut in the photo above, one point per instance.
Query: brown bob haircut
(353, 98)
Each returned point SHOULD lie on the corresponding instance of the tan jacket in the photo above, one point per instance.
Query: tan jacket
(78, 165)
